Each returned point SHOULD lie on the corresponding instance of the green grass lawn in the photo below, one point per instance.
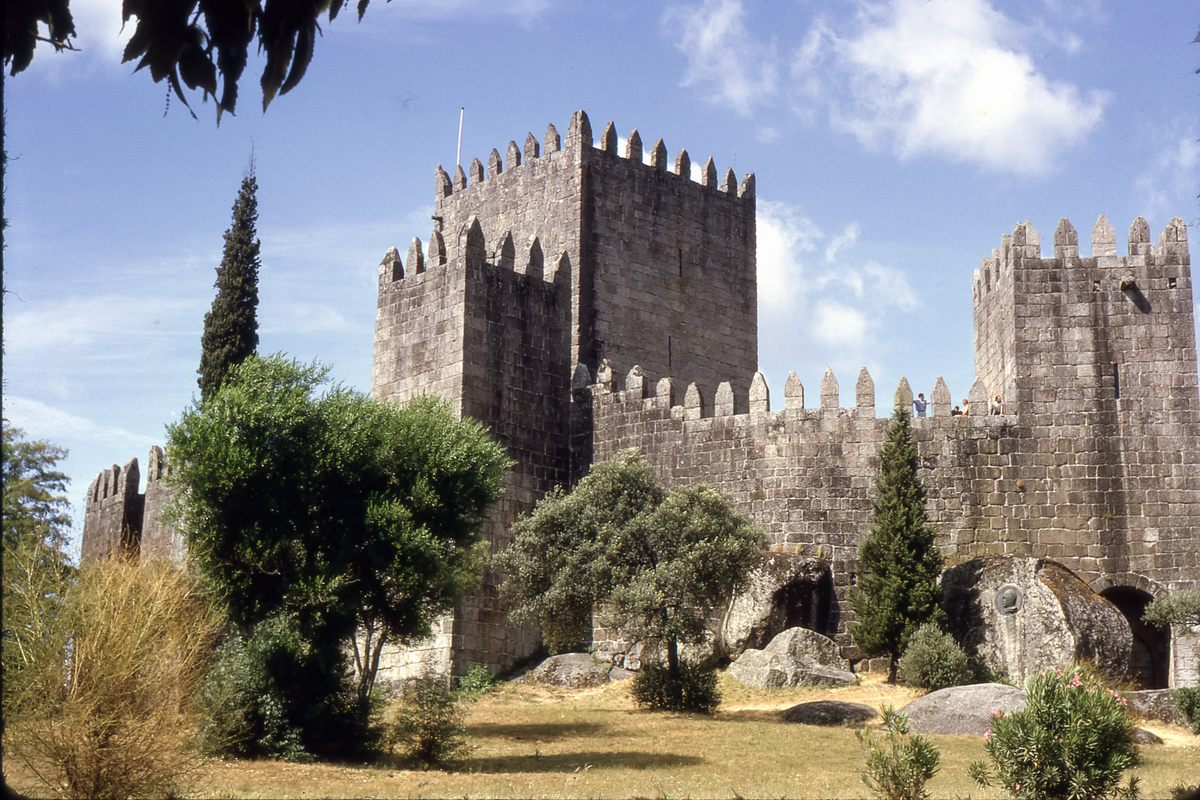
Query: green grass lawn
(540, 742)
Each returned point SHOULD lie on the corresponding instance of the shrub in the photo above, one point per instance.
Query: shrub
(427, 723)
(696, 690)
(899, 766)
(477, 681)
(1188, 701)
(250, 698)
(1073, 740)
(933, 660)
(108, 707)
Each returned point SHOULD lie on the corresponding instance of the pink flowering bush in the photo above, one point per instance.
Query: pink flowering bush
(1073, 741)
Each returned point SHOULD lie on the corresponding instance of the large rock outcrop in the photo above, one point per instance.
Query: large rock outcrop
(574, 670)
(1022, 616)
(784, 591)
(830, 713)
(795, 657)
(962, 709)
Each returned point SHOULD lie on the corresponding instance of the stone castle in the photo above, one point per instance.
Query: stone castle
(581, 301)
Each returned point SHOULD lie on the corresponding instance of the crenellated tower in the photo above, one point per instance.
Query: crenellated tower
(551, 257)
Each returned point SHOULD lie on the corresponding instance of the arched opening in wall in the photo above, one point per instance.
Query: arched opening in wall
(1150, 660)
(806, 603)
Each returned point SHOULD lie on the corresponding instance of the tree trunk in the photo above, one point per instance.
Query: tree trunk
(675, 684)
(893, 663)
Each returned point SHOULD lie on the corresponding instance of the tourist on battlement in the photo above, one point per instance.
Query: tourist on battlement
(997, 406)
(919, 405)
(966, 408)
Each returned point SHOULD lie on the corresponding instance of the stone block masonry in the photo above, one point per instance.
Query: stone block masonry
(120, 521)
(562, 257)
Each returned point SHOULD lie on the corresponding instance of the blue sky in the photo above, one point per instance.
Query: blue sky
(893, 143)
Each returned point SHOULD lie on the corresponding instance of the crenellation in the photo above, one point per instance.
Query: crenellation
(512, 156)
(633, 146)
(494, 166)
(551, 142)
(658, 156)
(460, 178)
(708, 176)
(391, 268)
(693, 402)
(760, 394)
(1139, 238)
(437, 249)
(683, 164)
(635, 383)
(414, 262)
(904, 395)
(1066, 240)
(830, 401)
(793, 393)
(939, 399)
(723, 400)
(441, 183)
(535, 266)
(746, 189)
(505, 256)
(475, 171)
(579, 132)
(864, 394)
(730, 185)
(608, 139)
(532, 149)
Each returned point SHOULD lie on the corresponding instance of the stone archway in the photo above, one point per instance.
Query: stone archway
(1150, 660)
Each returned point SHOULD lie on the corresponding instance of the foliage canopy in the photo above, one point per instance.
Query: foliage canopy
(331, 513)
(1177, 608)
(201, 44)
(898, 561)
(653, 563)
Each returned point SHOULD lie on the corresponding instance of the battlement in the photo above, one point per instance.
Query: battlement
(753, 399)
(503, 255)
(1024, 245)
(579, 141)
(119, 520)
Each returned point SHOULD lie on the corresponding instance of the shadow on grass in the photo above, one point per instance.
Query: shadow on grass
(538, 732)
(750, 715)
(575, 762)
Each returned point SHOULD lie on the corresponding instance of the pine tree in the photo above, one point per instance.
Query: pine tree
(898, 562)
(231, 325)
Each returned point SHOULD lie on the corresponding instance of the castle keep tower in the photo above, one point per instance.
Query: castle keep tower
(556, 255)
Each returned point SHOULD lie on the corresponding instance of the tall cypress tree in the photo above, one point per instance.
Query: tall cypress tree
(231, 325)
(898, 562)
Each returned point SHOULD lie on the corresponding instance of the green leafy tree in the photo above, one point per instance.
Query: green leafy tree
(35, 503)
(231, 325)
(1177, 608)
(654, 563)
(349, 521)
(898, 561)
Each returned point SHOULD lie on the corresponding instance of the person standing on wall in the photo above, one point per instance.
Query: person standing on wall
(919, 405)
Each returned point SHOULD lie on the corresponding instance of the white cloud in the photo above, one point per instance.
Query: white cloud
(952, 79)
(812, 288)
(847, 237)
(940, 78)
(1168, 185)
(784, 237)
(723, 57)
(42, 421)
(840, 326)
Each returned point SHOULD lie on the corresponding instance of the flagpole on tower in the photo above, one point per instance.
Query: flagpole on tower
(458, 155)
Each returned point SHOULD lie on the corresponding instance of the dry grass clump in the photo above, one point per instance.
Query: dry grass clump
(106, 704)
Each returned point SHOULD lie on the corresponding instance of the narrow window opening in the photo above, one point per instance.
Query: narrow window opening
(681, 262)
(1117, 380)
(668, 351)
(1171, 283)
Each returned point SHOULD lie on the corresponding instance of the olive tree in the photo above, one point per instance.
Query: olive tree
(653, 563)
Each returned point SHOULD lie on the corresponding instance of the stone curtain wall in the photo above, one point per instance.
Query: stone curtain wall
(118, 520)
(112, 519)
(159, 539)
